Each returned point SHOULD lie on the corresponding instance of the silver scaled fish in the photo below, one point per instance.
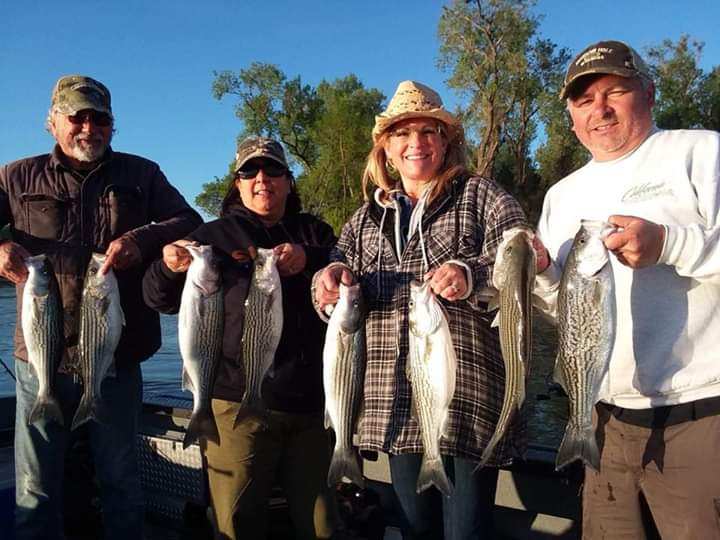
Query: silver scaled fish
(586, 333)
(200, 335)
(263, 323)
(343, 376)
(42, 326)
(431, 368)
(101, 323)
(513, 277)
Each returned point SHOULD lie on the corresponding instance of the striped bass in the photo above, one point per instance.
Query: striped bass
(101, 322)
(200, 335)
(586, 332)
(514, 278)
(42, 326)
(343, 376)
(262, 329)
(431, 368)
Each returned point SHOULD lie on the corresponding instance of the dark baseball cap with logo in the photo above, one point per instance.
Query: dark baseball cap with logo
(73, 93)
(607, 57)
(259, 147)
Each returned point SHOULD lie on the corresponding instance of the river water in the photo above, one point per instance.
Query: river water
(547, 410)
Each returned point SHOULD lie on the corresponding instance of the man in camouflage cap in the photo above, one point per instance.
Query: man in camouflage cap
(83, 197)
(658, 418)
(75, 93)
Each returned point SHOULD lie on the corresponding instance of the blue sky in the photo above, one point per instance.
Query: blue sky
(158, 59)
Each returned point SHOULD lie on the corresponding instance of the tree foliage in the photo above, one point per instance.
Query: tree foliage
(211, 197)
(508, 79)
(686, 96)
(331, 187)
(325, 131)
(504, 72)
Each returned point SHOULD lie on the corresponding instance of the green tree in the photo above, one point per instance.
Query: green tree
(678, 83)
(559, 153)
(212, 194)
(270, 105)
(325, 131)
(503, 72)
(710, 100)
(686, 96)
(331, 186)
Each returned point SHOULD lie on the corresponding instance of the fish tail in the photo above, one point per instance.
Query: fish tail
(344, 464)
(202, 424)
(578, 443)
(89, 409)
(46, 408)
(432, 472)
(487, 453)
(249, 406)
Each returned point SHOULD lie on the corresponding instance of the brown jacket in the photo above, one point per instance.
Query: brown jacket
(53, 210)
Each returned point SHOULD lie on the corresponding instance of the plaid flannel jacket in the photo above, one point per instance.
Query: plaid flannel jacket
(466, 224)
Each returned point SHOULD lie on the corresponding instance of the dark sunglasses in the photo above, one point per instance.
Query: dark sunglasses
(98, 118)
(271, 169)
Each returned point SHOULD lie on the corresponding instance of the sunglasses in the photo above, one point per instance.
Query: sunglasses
(273, 170)
(100, 119)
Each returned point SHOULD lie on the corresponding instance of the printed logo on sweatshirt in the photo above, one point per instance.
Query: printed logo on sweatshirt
(647, 191)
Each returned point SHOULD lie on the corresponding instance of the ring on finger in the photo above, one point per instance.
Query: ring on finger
(454, 288)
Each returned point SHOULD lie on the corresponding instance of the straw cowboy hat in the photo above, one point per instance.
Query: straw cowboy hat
(414, 100)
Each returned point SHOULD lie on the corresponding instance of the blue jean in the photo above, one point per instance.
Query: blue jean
(466, 515)
(40, 455)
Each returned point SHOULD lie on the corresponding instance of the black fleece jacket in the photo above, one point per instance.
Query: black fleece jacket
(296, 383)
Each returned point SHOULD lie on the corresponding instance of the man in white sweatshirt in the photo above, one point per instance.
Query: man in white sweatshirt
(658, 425)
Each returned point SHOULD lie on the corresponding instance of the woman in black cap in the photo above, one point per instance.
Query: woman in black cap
(289, 442)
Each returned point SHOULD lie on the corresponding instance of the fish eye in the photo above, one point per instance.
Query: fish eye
(411, 303)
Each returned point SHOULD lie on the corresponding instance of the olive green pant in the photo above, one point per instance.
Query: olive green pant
(290, 449)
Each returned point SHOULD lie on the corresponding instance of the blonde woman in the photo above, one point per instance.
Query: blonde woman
(427, 218)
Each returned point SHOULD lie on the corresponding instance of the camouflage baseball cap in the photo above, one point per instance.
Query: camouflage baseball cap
(73, 93)
(609, 57)
(259, 147)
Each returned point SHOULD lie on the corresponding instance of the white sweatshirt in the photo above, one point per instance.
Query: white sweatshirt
(667, 345)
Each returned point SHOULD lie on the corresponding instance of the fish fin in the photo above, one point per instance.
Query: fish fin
(578, 443)
(111, 371)
(202, 425)
(89, 409)
(414, 409)
(494, 302)
(520, 396)
(487, 453)
(187, 383)
(540, 304)
(558, 376)
(47, 409)
(496, 321)
(598, 293)
(432, 473)
(328, 422)
(249, 406)
(344, 463)
(102, 305)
